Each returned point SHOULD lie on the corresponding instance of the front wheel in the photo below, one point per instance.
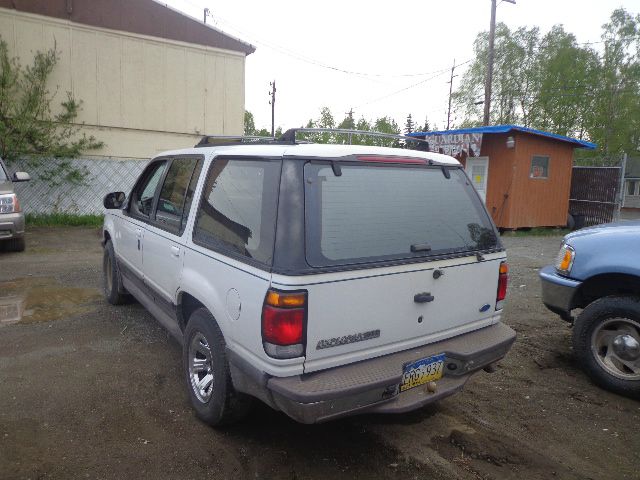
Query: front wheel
(15, 244)
(207, 374)
(606, 340)
(114, 292)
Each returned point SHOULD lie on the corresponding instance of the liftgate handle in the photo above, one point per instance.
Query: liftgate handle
(423, 297)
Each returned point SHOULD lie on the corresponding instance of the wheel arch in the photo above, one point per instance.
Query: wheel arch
(605, 285)
(188, 303)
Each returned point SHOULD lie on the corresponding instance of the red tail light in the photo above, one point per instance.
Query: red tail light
(283, 323)
(282, 326)
(503, 280)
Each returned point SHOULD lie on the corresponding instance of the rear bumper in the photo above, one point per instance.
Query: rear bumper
(372, 386)
(558, 292)
(11, 225)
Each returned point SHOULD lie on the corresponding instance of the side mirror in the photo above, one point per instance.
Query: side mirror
(20, 177)
(114, 200)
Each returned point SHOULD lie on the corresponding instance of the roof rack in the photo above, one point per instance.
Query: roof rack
(217, 140)
(289, 138)
(290, 135)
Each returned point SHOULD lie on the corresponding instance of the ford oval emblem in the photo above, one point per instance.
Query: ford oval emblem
(485, 307)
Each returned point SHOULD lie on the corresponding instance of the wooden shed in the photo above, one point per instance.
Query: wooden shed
(523, 175)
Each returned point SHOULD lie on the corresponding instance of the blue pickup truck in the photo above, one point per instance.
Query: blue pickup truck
(598, 270)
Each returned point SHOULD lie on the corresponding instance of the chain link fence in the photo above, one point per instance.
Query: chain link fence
(41, 196)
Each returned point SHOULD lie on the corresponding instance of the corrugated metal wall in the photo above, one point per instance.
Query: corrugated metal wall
(140, 95)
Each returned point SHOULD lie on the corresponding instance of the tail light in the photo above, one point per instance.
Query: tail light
(503, 279)
(284, 318)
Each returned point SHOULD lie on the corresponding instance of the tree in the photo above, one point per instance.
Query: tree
(348, 123)
(28, 129)
(425, 127)
(409, 126)
(386, 125)
(553, 83)
(249, 123)
(615, 120)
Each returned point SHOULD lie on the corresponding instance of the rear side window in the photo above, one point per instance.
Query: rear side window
(237, 213)
(383, 212)
(174, 200)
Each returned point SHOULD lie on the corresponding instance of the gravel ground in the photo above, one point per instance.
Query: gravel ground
(88, 390)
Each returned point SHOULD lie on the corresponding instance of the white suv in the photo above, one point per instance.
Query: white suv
(324, 280)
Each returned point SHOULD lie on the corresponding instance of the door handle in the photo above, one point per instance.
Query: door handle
(175, 251)
(423, 297)
(139, 232)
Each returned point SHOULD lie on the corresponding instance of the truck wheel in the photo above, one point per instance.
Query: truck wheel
(206, 370)
(114, 292)
(15, 244)
(606, 340)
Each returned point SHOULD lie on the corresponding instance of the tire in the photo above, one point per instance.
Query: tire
(114, 291)
(601, 334)
(204, 360)
(15, 244)
(571, 222)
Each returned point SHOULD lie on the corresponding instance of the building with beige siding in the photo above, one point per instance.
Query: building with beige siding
(149, 77)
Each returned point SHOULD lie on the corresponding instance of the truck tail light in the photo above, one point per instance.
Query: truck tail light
(284, 318)
(503, 279)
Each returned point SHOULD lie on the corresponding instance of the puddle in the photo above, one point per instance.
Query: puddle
(43, 299)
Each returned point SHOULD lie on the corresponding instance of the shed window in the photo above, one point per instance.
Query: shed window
(633, 187)
(539, 166)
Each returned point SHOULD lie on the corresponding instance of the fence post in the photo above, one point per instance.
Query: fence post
(623, 167)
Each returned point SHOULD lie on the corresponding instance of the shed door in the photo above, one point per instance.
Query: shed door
(477, 169)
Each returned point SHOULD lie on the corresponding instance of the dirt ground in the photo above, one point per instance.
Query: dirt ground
(88, 390)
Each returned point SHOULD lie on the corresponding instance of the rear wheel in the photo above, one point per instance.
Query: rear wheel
(207, 373)
(606, 339)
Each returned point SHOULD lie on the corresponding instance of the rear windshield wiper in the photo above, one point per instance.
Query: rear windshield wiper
(420, 247)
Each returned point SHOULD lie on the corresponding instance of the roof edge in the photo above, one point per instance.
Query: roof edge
(509, 128)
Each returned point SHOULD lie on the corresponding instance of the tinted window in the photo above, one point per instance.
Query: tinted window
(372, 213)
(142, 201)
(173, 210)
(238, 208)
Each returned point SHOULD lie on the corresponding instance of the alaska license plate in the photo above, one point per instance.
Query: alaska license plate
(422, 371)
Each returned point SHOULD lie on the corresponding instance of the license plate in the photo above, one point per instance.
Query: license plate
(422, 371)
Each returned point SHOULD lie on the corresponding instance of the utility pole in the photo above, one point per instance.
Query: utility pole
(450, 93)
(272, 102)
(207, 13)
(487, 85)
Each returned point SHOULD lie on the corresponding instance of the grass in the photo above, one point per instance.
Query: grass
(63, 220)
(537, 232)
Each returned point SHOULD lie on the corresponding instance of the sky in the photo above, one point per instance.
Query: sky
(377, 58)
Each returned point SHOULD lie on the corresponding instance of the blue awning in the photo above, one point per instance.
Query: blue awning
(510, 128)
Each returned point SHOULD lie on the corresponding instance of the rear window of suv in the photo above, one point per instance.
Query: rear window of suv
(380, 212)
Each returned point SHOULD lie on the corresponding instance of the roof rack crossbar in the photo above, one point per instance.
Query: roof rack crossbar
(213, 140)
(290, 135)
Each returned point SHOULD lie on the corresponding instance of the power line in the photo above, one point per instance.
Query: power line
(436, 75)
(297, 56)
